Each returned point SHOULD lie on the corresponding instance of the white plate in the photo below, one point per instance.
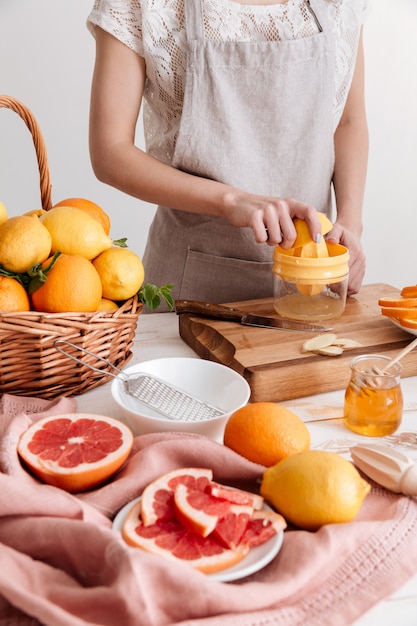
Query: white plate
(256, 559)
(412, 331)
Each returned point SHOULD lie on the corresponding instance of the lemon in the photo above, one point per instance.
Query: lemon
(3, 213)
(314, 488)
(74, 231)
(24, 241)
(107, 305)
(37, 212)
(121, 273)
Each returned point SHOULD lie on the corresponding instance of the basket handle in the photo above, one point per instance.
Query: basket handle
(45, 185)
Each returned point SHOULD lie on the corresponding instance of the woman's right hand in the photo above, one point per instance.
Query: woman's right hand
(271, 219)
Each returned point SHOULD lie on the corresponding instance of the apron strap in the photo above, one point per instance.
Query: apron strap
(193, 10)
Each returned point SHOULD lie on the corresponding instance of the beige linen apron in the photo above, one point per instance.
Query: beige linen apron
(257, 115)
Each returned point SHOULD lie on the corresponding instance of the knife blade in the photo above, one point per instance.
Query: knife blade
(230, 314)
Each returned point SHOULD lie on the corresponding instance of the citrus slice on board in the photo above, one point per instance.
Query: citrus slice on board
(410, 291)
(400, 312)
(158, 497)
(75, 452)
(397, 302)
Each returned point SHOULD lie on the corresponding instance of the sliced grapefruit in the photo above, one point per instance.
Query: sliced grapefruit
(158, 497)
(168, 538)
(75, 452)
(237, 496)
(261, 527)
(201, 512)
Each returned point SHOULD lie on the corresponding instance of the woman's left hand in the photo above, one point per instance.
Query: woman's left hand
(349, 239)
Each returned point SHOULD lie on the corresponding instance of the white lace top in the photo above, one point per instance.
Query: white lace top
(154, 29)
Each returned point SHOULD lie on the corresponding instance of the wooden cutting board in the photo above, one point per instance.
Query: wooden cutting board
(272, 361)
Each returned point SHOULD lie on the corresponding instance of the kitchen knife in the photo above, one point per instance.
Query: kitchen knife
(229, 314)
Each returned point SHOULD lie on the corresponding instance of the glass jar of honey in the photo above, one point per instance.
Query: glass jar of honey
(373, 404)
(311, 288)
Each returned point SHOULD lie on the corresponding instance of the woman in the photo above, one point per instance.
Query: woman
(252, 112)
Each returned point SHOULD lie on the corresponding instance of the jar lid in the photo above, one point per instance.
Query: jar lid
(336, 265)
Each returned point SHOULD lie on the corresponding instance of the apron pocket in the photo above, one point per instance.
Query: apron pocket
(225, 279)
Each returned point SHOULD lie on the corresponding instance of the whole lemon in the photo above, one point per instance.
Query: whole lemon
(121, 273)
(107, 305)
(24, 241)
(314, 488)
(265, 433)
(74, 231)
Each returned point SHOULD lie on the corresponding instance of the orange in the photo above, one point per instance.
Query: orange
(265, 433)
(13, 296)
(409, 292)
(75, 451)
(400, 312)
(72, 285)
(398, 302)
(408, 323)
(303, 231)
(89, 207)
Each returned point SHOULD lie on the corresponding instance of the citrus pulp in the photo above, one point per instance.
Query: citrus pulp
(75, 452)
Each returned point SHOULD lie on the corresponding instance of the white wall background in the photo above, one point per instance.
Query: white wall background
(46, 61)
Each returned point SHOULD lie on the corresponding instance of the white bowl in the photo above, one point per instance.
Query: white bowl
(214, 384)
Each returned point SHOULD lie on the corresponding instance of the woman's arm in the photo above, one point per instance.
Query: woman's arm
(116, 95)
(351, 151)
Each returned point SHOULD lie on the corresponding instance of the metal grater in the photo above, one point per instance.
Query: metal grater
(158, 395)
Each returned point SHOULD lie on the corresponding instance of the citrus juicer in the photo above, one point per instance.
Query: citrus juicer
(387, 467)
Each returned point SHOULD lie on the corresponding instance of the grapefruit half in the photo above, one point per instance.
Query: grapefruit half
(75, 451)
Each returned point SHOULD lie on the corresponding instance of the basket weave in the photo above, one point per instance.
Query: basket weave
(30, 365)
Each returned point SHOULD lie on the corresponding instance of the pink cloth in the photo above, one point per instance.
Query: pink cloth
(61, 564)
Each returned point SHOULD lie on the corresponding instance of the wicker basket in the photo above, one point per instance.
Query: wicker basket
(30, 365)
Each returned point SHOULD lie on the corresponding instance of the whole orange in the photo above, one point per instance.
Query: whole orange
(72, 285)
(89, 207)
(13, 296)
(266, 433)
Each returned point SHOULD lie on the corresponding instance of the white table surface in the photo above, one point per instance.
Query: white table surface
(157, 336)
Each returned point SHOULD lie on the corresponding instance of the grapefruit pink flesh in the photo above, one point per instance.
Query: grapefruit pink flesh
(185, 521)
(74, 451)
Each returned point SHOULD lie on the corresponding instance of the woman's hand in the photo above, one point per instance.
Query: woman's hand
(340, 234)
(271, 219)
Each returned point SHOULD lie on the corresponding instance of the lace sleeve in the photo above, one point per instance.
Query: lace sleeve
(120, 18)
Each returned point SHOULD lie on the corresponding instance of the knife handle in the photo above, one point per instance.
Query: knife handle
(214, 311)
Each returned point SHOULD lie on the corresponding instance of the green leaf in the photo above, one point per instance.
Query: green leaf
(120, 242)
(39, 275)
(151, 296)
